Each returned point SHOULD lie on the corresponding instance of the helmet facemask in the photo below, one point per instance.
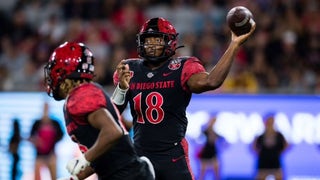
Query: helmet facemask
(157, 27)
(52, 87)
(168, 46)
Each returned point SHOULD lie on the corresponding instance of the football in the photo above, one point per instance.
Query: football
(239, 20)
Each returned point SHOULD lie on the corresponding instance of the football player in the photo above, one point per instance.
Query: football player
(158, 87)
(91, 119)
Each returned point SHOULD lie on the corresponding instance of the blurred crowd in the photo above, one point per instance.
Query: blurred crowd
(282, 57)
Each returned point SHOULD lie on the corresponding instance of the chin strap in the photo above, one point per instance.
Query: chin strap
(179, 47)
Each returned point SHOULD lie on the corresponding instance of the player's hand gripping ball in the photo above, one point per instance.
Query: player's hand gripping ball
(240, 20)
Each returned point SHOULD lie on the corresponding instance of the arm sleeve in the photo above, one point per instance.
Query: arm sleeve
(192, 66)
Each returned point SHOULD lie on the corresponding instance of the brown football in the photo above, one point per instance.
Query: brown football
(239, 20)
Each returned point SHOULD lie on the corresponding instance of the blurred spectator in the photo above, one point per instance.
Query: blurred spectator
(4, 78)
(240, 80)
(208, 154)
(117, 54)
(97, 37)
(282, 57)
(269, 147)
(11, 58)
(128, 19)
(45, 134)
(18, 29)
(53, 29)
(13, 149)
(13, 61)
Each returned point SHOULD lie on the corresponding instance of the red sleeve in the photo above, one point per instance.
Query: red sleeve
(85, 100)
(192, 66)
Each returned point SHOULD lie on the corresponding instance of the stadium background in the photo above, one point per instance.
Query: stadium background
(281, 63)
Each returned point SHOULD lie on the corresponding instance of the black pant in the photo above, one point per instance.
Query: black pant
(172, 164)
(137, 170)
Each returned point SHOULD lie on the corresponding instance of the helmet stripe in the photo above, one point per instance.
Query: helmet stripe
(153, 24)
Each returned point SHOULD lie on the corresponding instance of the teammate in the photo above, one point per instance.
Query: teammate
(159, 88)
(91, 119)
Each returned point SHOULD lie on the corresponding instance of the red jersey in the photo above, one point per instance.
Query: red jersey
(82, 101)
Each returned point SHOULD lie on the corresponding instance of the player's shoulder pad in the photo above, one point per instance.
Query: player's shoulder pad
(86, 99)
(188, 58)
(133, 60)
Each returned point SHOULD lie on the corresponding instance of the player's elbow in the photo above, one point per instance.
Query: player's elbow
(214, 84)
(202, 82)
(112, 135)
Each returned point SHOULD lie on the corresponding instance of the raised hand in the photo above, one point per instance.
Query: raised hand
(242, 38)
(123, 74)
